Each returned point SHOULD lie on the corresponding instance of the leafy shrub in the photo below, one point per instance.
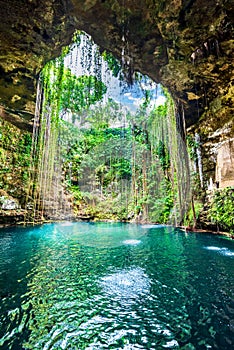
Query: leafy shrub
(221, 209)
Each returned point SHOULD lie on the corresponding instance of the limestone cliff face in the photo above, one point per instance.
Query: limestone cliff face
(225, 164)
(187, 45)
(31, 33)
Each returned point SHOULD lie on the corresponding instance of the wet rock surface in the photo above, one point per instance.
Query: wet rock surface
(185, 45)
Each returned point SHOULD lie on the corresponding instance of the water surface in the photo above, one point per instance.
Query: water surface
(115, 286)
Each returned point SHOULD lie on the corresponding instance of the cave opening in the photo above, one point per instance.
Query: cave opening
(106, 146)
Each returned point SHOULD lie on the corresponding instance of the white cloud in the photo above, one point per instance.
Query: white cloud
(160, 100)
(138, 101)
(149, 85)
(128, 94)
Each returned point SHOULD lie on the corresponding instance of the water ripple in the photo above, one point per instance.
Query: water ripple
(62, 288)
(126, 284)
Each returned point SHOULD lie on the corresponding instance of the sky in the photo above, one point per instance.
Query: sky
(84, 59)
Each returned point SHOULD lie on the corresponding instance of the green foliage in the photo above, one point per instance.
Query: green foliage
(100, 115)
(69, 92)
(189, 219)
(79, 93)
(111, 170)
(120, 171)
(76, 37)
(163, 204)
(122, 168)
(77, 195)
(192, 145)
(112, 62)
(163, 155)
(222, 209)
(15, 153)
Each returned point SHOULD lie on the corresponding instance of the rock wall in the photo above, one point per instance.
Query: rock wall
(187, 45)
(225, 164)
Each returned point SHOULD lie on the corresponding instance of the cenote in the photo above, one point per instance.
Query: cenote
(75, 285)
(116, 131)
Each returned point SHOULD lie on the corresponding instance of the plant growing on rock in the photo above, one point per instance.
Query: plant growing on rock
(222, 208)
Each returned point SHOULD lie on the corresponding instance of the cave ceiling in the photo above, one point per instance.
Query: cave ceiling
(186, 45)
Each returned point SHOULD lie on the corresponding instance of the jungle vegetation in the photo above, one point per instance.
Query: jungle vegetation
(110, 163)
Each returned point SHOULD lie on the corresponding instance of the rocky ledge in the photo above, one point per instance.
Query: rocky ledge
(185, 45)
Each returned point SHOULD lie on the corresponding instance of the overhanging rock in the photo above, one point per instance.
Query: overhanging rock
(185, 45)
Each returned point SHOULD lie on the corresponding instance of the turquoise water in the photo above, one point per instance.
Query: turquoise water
(115, 286)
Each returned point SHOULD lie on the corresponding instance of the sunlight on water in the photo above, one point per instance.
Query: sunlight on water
(81, 286)
(227, 252)
(221, 250)
(126, 284)
(215, 248)
(131, 241)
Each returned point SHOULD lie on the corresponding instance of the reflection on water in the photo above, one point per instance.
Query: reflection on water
(66, 223)
(101, 235)
(155, 226)
(115, 286)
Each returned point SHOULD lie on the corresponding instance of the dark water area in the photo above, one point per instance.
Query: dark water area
(115, 286)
